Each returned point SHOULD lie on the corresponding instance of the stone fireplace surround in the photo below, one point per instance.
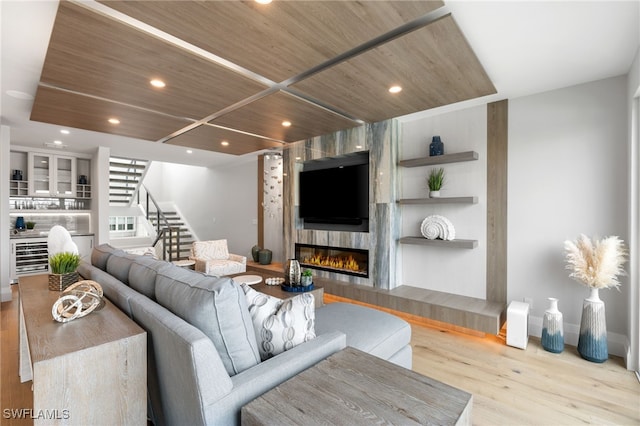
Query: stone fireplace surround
(381, 141)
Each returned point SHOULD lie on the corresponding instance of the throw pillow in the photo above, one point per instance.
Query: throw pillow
(211, 250)
(280, 324)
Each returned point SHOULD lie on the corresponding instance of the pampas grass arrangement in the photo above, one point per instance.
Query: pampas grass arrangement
(598, 263)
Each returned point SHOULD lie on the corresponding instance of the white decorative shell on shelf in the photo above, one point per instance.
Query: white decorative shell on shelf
(437, 227)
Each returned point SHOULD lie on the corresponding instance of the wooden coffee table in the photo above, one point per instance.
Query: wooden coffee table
(353, 387)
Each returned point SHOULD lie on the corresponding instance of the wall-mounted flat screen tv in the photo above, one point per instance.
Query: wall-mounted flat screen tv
(335, 195)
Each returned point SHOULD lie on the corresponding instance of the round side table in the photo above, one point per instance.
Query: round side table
(186, 263)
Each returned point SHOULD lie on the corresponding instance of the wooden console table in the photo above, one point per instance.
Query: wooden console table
(353, 387)
(92, 370)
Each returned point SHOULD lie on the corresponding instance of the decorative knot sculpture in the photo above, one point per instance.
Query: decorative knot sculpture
(77, 301)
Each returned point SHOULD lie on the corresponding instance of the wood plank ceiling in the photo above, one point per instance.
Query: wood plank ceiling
(235, 71)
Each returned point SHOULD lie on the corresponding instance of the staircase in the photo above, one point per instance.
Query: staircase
(125, 176)
(177, 237)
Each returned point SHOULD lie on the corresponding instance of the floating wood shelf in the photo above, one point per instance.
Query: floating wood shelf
(467, 244)
(440, 200)
(440, 159)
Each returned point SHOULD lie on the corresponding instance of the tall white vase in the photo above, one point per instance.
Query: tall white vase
(552, 329)
(592, 343)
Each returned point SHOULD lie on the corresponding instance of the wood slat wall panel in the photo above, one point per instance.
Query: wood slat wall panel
(279, 40)
(497, 175)
(435, 66)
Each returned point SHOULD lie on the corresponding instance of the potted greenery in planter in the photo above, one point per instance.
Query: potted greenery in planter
(30, 225)
(63, 270)
(307, 278)
(435, 182)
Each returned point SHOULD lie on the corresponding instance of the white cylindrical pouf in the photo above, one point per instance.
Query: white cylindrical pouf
(518, 324)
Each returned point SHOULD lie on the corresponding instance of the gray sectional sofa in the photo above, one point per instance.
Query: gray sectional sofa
(203, 363)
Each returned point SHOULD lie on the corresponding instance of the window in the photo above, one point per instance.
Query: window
(122, 226)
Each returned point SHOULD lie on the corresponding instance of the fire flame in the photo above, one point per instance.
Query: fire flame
(346, 263)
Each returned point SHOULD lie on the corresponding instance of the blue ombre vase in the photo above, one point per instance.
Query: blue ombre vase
(436, 147)
(552, 329)
(592, 343)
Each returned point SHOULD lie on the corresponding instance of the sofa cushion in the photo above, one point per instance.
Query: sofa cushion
(370, 330)
(115, 290)
(100, 254)
(143, 273)
(119, 264)
(211, 250)
(279, 324)
(216, 306)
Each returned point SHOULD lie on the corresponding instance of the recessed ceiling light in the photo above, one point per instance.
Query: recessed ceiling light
(358, 146)
(64, 131)
(263, 1)
(224, 143)
(157, 83)
(395, 89)
(286, 123)
(114, 121)
(189, 151)
(298, 158)
(19, 95)
(57, 142)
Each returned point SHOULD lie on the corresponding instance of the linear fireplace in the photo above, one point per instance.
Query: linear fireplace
(348, 261)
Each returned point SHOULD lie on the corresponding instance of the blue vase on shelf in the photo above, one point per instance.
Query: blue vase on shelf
(436, 147)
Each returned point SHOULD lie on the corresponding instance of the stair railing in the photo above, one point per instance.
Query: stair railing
(136, 181)
(136, 191)
(164, 230)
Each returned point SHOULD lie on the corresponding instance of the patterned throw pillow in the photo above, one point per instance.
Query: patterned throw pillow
(280, 324)
(211, 250)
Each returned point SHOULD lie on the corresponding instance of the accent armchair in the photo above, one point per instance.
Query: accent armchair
(213, 258)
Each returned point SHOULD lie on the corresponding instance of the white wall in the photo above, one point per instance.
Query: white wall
(452, 270)
(217, 204)
(567, 175)
(5, 285)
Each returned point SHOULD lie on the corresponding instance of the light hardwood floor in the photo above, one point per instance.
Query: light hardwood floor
(509, 386)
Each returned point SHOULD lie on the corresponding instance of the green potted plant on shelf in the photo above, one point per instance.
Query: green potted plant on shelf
(30, 225)
(435, 181)
(306, 278)
(63, 270)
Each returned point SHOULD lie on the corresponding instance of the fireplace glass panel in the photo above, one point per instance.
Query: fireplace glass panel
(335, 259)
